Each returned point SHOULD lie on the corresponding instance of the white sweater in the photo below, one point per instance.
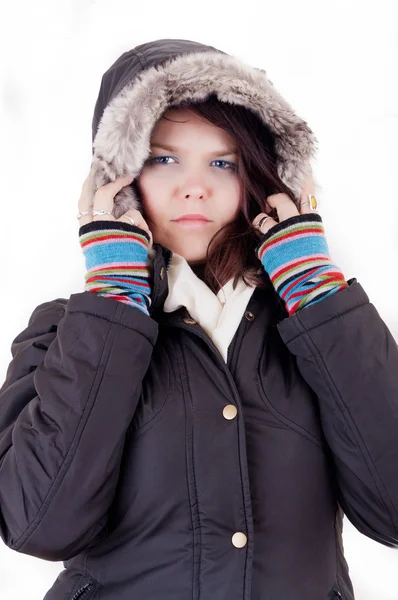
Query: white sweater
(218, 314)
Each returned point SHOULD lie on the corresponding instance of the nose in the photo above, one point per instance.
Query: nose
(194, 186)
(191, 191)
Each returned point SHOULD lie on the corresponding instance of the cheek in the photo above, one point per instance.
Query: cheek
(231, 202)
(146, 186)
(153, 197)
(154, 212)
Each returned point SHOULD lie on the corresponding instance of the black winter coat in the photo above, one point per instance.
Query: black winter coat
(156, 471)
(120, 454)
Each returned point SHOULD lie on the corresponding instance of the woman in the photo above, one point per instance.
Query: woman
(194, 423)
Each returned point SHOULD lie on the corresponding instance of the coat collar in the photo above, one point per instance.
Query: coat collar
(161, 258)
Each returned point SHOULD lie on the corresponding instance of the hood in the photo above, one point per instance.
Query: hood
(144, 81)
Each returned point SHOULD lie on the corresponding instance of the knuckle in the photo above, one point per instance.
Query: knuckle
(83, 200)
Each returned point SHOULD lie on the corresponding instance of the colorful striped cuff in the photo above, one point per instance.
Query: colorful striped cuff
(116, 255)
(296, 257)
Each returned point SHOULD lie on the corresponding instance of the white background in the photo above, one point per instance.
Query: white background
(337, 65)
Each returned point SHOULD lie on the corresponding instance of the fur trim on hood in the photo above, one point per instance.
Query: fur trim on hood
(143, 82)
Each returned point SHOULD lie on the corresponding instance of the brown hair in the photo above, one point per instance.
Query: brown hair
(231, 251)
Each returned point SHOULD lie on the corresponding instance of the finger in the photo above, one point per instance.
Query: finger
(308, 186)
(308, 189)
(305, 205)
(139, 221)
(284, 205)
(104, 197)
(265, 226)
(137, 217)
(111, 188)
(84, 202)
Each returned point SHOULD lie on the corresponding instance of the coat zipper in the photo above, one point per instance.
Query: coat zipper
(336, 594)
(82, 592)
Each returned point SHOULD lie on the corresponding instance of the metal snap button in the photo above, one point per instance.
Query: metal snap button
(239, 539)
(249, 316)
(229, 412)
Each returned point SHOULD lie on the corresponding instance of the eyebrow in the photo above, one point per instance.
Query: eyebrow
(221, 152)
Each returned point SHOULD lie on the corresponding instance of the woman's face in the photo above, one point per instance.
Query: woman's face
(191, 170)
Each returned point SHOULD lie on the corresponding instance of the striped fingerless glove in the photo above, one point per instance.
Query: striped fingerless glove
(116, 256)
(296, 257)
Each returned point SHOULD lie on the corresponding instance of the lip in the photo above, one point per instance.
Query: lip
(193, 217)
(191, 222)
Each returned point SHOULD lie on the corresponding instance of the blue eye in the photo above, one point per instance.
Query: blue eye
(157, 160)
(231, 164)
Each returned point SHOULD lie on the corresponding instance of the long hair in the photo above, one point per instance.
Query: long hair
(231, 251)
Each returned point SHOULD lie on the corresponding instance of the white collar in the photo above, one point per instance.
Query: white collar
(219, 314)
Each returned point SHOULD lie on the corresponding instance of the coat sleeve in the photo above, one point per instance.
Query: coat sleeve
(348, 356)
(69, 395)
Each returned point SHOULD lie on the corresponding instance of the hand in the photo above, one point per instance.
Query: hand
(113, 269)
(285, 207)
(103, 200)
(295, 253)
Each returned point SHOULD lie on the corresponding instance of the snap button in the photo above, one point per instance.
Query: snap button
(189, 320)
(230, 411)
(239, 539)
(249, 316)
(161, 274)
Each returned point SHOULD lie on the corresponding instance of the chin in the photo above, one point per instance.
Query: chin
(191, 254)
(192, 248)
(192, 257)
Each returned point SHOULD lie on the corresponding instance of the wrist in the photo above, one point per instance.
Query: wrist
(296, 256)
(110, 241)
(116, 255)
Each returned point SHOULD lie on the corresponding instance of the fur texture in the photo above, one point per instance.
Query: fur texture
(122, 142)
